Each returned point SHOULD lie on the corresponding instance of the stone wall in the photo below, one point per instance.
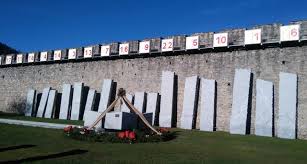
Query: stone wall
(144, 74)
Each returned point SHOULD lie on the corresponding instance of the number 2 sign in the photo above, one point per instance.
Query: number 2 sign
(252, 36)
(220, 40)
(144, 47)
(191, 42)
(167, 45)
(289, 33)
(124, 49)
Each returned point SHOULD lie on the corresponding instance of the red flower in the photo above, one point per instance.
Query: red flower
(68, 129)
(132, 135)
(164, 130)
(121, 135)
(127, 133)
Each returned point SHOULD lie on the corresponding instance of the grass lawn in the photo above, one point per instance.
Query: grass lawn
(39, 145)
(22, 117)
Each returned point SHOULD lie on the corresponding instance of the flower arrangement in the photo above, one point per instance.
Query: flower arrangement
(127, 136)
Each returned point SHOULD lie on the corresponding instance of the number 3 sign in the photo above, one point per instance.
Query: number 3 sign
(220, 40)
(289, 33)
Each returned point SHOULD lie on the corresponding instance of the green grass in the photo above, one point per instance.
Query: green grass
(189, 147)
(22, 117)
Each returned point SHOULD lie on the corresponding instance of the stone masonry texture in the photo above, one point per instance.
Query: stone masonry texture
(144, 74)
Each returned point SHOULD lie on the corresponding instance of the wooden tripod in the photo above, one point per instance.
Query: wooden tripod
(121, 96)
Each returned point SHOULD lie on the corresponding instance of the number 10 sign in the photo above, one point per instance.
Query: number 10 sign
(220, 40)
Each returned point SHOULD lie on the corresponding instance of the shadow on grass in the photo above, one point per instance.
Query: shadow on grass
(45, 157)
(16, 147)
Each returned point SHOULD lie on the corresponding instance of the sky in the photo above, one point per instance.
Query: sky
(39, 25)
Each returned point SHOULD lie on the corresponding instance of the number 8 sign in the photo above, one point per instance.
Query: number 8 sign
(220, 40)
(289, 33)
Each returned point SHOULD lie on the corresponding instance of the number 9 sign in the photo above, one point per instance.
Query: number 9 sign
(220, 40)
(289, 33)
(144, 47)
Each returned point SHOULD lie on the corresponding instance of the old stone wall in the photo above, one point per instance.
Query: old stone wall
(144, 74)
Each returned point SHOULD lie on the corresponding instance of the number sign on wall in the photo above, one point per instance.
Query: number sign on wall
(252, 36)
(167, 45)
(220, 40)
(124, 49)
(192, 42)
(289, 33)
(144, 47)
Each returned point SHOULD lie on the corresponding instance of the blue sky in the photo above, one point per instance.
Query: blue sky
(37, 25)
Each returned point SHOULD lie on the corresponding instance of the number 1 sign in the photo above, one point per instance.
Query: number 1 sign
(124, 49)
(191, 42)
(144, 47)
(57, 55)
(167, 45)
(252, 36)
(88, 52)
(220, 40)
(43, 56)
(289, 33)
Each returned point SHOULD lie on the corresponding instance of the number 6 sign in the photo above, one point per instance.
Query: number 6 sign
(220, 40)
(289, 33)
(191, 42)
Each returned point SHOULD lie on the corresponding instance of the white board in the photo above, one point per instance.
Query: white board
(139, 101)
(8, 59)
(192, 42)
(124, 49)
(252, 36)
(76, 101)
(43, 103)
(105, 50)
(57, 55)
(240, 100)
(88, 52)
(72, 53)
(49, 112)
(151, 105)
(65, 101)
(220, 40)
(207, 105)
(189, 102)
(264, 108)
(31, 57)
(167, 99)
(106, 92)
(43, 56)
(19, 58)
(289, 33)
(144, 47)
(286, 124)
(30, 102)
(167, 45)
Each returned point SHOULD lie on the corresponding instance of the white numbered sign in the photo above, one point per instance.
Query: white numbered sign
(220, 40)
(57, 55)
(8, 59)
(192, 42)
(289, 33)
(0, 60)
(124, 49)
(43, 56)
(252, 36)
(167, 45)
(144, 47)
(31, 57)
(88, 52)
(72, 53)
(19, 58)
(105, 50)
